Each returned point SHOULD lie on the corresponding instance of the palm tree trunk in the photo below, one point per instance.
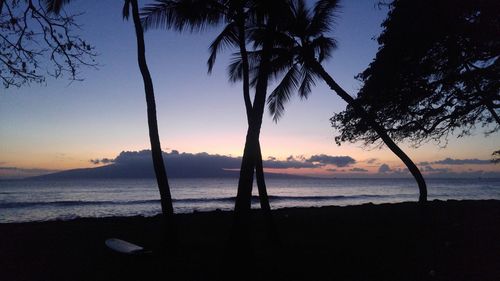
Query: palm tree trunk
(259, 169)
(252, 160)
(159, 166)
(360, 111)
(244, 195)
(261, 183)
(245, 182)
(264, 200)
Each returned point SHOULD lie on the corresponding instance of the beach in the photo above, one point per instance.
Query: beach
(451, 240)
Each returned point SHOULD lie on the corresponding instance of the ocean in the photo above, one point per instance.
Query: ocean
(24, 201)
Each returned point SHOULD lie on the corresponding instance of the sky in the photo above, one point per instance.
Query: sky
(61, 125)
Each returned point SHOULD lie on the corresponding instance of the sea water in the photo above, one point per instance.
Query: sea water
(25, 200)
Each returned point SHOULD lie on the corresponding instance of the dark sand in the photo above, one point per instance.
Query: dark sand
(460, 241)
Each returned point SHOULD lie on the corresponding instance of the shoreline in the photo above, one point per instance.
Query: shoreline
(224, 210)
(218, 211)
(389, 241)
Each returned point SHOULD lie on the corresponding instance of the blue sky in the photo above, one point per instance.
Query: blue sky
(63, 125)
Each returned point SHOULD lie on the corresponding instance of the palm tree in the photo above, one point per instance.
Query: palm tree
(158, 163)
(196, 15)
(265, 24)
(302, 49)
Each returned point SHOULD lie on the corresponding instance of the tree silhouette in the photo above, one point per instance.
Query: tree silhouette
(267, 20)
(197, 15)
(159, 166)
(437, 73)
(301, 50)
(158, 162)
(35, 43)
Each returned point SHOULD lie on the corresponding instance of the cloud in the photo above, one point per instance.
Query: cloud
(358, 170)
(401, 171)
(431, 169)
(371, 161)
(438, 173)
(295, 158)
(101, 161)
(331, 170)
(289, 163)
(197, 160)
(229, 162)
(175, 158)
(205, 163)
(384, 168)
(451, 161)
(323, 159)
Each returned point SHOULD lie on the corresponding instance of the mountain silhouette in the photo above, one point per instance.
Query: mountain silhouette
(179, 165)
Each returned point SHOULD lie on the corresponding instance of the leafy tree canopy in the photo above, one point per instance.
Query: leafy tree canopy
(437, 72)
(36, 43)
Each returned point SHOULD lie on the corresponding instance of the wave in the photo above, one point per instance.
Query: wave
(322, 198)
(277, 198)
(272, 198)
(8, 205)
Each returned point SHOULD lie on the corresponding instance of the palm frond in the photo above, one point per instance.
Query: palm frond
(192, 15)
(254, 61)
(281, 60)
(301, 18)
(323, 47)
(302, 41)
(308, 81)
(126, 9)
(266, 11)
(258, 35)
(283, 40)
(324, 17)
(235, 67)
(228, 37)
(283, 92)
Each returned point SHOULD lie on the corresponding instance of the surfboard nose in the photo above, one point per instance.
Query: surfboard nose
(124, 247)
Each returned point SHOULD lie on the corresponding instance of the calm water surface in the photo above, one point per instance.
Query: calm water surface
(22, 201)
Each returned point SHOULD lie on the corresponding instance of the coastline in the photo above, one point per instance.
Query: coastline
(458, 241)
(43, 201)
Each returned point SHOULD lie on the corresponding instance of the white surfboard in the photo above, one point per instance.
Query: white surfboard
(125, 247)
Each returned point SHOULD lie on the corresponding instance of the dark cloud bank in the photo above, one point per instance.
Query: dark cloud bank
(451, 161)
(132, 164)
(431, 172)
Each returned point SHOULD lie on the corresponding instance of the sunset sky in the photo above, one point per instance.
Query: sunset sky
(64, 125)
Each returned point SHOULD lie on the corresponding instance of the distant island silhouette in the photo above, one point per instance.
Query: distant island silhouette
(130, 165)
